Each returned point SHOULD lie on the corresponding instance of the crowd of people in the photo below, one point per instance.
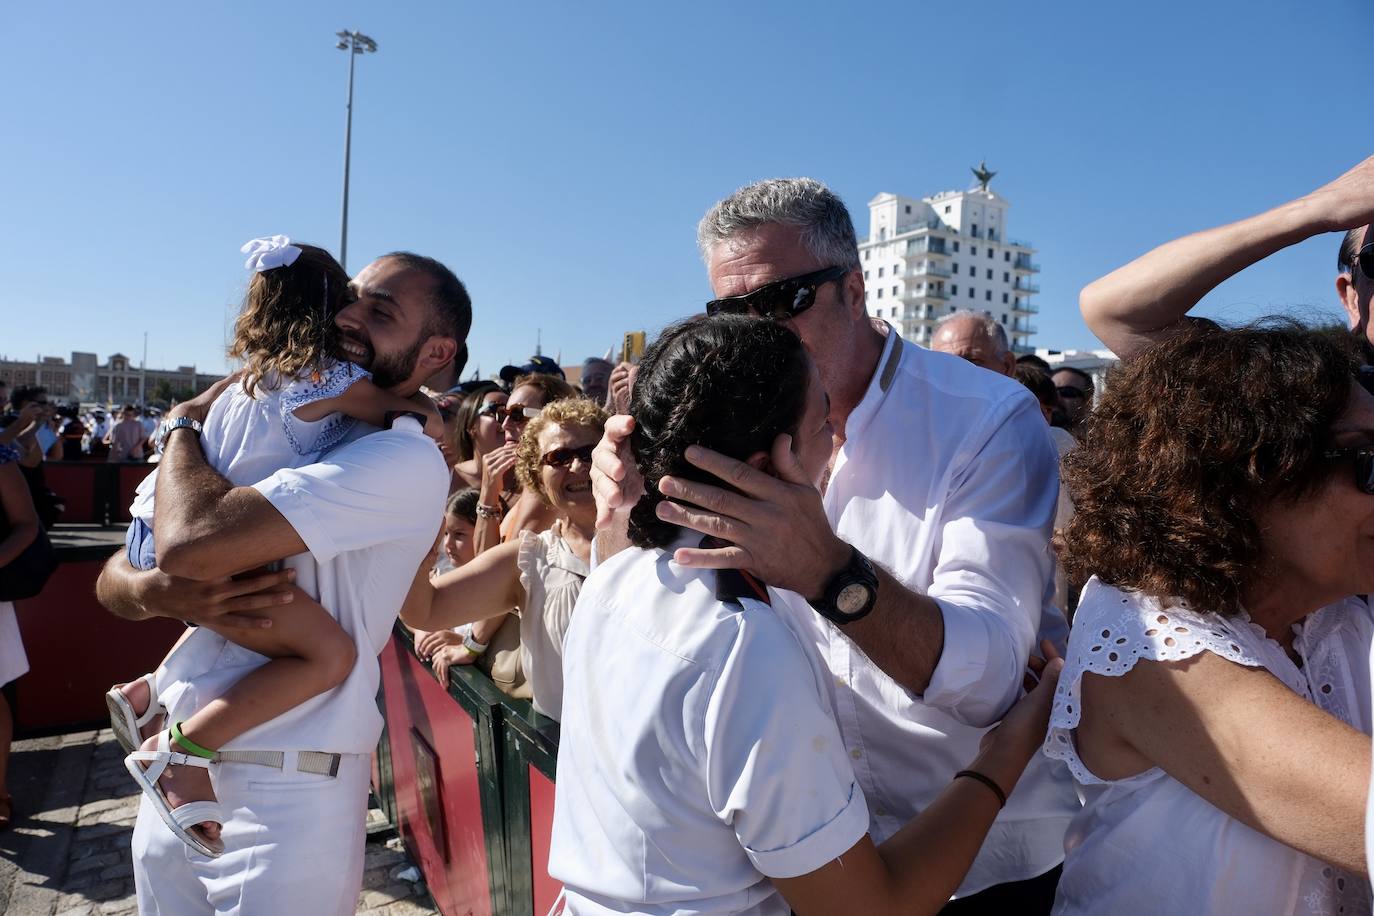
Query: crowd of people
(908, 630)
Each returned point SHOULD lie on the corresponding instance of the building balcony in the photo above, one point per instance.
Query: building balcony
(1024, 307)
(932, 294)
(1023, 327)
(1023, 262)
(1022, 349)
(927, 270)
(1018, 243)
(926, 245)
(1023, 285)
(922, 226)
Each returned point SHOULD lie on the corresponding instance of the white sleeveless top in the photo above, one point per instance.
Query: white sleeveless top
(552, 576)
(1147, 844)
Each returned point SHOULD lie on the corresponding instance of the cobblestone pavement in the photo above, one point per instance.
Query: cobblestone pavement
(68, 852)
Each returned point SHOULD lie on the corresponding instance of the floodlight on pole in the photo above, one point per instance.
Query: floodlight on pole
(355, 43)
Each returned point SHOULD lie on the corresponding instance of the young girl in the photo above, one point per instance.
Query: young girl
(294, 401)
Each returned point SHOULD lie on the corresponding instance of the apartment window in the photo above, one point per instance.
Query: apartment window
(946, 208)
(1006, 277)
(956, 247)
(972, 293)
(1004, 317)
(955, 265)
(953, 309)
(954, 289)
(1004, 298)
(975, 232)
(989, 275)
(894, 291)
(989, 252)
(908, 208)
(865, 275)
(973, 249)
(880, 292)
(972, 271)
(880, 313)
(988, 295)
(880, 271)
(867, 252)
(1006, 256)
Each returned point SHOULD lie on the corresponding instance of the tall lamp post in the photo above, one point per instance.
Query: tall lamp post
(354, 43)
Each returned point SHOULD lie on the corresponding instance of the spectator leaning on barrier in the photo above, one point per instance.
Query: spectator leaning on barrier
(537, 574)
(934, 529)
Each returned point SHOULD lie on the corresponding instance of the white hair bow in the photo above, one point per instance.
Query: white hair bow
(267, 253)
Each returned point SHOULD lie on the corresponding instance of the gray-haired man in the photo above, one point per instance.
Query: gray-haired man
(976, 337)
(944, 476)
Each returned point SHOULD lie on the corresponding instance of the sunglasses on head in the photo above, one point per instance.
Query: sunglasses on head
(564, 457)
(779, 300)
(517, 414)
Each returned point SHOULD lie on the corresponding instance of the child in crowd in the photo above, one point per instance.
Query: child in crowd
(460, 525)
(296, 398)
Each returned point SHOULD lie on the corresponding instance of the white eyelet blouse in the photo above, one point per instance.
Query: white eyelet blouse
(1147, 844)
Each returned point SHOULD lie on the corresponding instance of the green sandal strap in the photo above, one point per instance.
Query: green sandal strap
(191, 747)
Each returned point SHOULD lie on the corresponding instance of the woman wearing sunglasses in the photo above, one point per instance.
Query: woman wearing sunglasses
(477, 433)
(701, 768)
(1215, 702)
(540, 574)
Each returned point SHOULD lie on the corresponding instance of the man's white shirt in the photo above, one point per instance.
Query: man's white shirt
(948, 479)
(368, 512)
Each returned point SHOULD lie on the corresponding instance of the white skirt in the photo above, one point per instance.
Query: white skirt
(13, 661)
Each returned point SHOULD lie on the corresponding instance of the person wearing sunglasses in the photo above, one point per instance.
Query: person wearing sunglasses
(942, 476)
(1215, 701)
(538, 573)
(1149, 298)
(477, 432)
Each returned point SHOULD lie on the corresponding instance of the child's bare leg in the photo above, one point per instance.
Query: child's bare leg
(139, 696)
(310, 653)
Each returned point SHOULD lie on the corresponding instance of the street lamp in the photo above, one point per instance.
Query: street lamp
(354, 43)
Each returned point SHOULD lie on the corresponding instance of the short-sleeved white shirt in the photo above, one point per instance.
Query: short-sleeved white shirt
(948, 479)
(698, 752)
(368, 511)
(1148, 844)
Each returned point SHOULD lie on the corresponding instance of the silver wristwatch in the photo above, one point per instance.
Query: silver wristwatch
(167, 426)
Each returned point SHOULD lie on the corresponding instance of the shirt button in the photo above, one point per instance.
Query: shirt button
(856, 753)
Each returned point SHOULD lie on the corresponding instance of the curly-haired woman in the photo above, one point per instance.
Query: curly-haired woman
(1215, 701)
(701, 769)
(538, 574)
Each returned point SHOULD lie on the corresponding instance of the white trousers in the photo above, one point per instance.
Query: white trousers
(294, 844)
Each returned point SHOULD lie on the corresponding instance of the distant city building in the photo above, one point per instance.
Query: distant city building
(927, 258)
(117, 381)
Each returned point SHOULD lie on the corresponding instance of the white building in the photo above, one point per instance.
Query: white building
(1097, 363)
(930, 257)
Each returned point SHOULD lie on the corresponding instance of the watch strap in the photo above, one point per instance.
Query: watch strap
(168, 426)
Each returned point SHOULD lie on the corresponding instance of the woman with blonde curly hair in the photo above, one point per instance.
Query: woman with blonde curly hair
(539, 574)
(1215, 701)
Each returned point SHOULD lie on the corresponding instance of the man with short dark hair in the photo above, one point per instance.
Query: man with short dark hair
(596, 379)
(351, 530)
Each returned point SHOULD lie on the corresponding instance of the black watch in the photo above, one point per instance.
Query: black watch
(851, 593)
(391, 416)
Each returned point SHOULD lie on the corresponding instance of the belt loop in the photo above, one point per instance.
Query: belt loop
(289, 762)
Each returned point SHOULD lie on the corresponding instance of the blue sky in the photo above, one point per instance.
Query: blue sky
(558, 155)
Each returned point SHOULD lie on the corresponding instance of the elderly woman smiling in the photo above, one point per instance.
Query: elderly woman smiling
(1215, 700)
(538, 574)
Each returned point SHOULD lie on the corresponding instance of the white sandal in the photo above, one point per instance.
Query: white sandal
(183, 819)
(127, 724)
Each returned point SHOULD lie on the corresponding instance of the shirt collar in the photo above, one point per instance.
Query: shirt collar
(878, 385)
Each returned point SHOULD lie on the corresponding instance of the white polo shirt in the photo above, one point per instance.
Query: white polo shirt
(368, 511)
(698, 753)
(949, 480)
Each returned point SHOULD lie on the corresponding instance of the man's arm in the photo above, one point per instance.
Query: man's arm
(1148, 299)
(135, 594)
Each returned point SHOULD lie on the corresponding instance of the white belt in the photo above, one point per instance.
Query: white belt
(316, 762)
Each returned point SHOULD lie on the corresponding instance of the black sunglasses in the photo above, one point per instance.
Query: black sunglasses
(563, 457)
(1068, 391)
(1364, 464)
(500, 412)
(781, 299)
(1364, 258)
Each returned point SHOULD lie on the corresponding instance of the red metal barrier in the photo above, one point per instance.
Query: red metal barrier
(77, 649)
(76, 482)
(435, 763)
(546, 889)
(130, 476)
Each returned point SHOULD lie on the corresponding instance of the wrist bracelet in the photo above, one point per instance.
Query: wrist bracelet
(473, 646)
(488, 511)
(996, 789)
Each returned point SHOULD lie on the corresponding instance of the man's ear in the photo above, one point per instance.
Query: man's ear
(1350, 301)
(852, 285)
(436, 353)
